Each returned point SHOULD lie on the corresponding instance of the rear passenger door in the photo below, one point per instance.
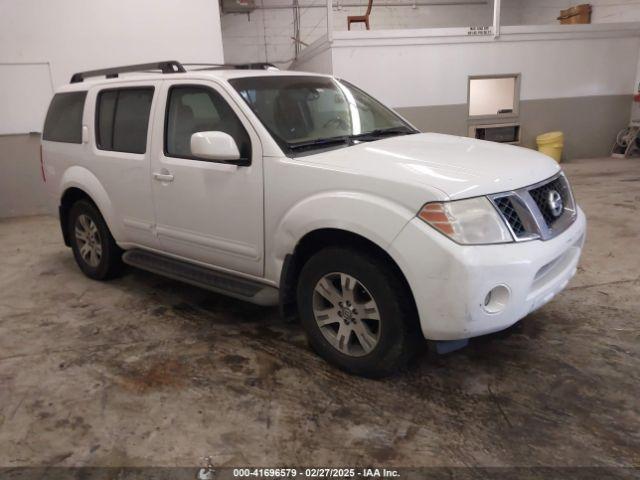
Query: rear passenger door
(207, 211)
(122, 144)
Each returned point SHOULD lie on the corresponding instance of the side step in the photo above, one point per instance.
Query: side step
(202, 277)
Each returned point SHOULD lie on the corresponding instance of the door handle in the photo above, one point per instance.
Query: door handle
(163, 176)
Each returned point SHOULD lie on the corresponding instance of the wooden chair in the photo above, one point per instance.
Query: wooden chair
(360, 18)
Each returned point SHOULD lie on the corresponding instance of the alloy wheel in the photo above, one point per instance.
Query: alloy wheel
(347, 314)
(88, 239)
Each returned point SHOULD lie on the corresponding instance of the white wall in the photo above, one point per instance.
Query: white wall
(542, 12)
(443, 14)
(73, 35)
(475, 12)
(317, 59)
(436, 74)
(266, 35)
(25, 90)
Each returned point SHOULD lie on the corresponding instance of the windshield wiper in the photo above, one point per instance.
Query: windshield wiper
(348, 139)
(320, 142)
(382, 132)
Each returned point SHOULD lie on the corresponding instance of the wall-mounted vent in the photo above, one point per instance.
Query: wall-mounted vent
(238, 6)
(501, 133)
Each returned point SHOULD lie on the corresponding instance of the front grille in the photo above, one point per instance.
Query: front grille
(541, 197)
(510, 215)
(529, 213)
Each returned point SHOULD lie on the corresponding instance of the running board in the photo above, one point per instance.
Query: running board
(202, 277)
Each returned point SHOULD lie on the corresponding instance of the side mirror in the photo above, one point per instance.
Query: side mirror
(214, 146)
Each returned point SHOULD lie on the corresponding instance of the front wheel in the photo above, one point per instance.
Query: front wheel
(357, 312)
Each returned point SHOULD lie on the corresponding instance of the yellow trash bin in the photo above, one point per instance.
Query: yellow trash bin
(551, 144)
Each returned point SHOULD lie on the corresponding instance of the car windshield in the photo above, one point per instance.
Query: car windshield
(307, 113)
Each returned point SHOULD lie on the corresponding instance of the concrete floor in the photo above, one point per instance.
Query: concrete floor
(146, 371)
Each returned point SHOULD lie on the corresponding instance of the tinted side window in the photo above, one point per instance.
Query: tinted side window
(106, 109)
(64, 118)
(194, 109)
(122, 119)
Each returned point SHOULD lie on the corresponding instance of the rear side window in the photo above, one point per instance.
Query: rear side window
(122, 119)
(64, 118)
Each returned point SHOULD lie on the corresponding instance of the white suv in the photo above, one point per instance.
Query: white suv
(302, 190)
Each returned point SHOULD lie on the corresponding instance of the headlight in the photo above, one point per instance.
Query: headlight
(471, 221)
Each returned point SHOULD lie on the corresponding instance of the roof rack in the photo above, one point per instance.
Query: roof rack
(255, 66)
(238, 66)
(168, 66)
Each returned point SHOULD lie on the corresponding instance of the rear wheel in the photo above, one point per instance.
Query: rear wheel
(94, 248)
(357, 312)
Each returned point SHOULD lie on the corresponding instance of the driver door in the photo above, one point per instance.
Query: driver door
(207, 211)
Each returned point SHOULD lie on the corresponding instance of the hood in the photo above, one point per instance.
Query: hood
(459, 167)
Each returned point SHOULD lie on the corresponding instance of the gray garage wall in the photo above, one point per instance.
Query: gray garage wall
(589, 123)
(22, 191)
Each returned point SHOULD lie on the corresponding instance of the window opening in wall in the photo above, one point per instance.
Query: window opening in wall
(493, 96)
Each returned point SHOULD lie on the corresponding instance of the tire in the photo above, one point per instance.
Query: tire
(349, 336)
(103, 259)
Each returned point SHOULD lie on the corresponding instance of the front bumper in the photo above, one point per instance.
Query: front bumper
(450, 282)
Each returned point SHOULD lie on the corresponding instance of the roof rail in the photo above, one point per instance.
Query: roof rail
(234, 66)
(255, 66)
(168, 66)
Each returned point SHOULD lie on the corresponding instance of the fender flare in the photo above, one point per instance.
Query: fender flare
(83, 179)
(375, 218)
